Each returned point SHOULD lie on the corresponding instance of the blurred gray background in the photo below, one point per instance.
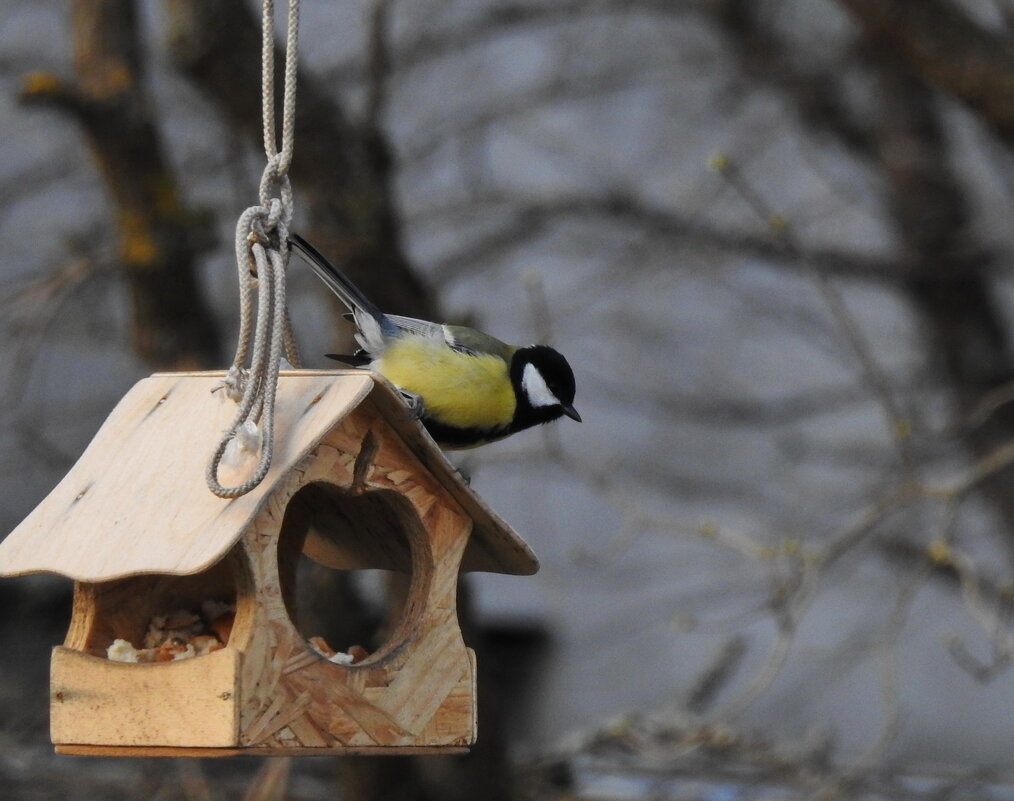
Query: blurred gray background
(771, 236)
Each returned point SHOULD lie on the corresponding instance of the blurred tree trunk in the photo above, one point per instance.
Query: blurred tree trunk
(172, 326)
(341, 171)
(949, 285)
(948, 50)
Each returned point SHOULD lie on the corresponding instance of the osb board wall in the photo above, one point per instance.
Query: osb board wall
(269, 690)
(419, 688)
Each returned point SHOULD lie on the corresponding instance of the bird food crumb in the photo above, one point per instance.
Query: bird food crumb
(354, 655)
(179, 635)
(121, 651)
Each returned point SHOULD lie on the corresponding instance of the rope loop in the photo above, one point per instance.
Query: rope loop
(268, 225)
(275, 184)
(262, 251)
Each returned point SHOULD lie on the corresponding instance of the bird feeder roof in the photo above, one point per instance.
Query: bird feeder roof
(136, 501)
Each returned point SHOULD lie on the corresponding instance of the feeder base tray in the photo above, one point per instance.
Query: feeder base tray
(167, 751)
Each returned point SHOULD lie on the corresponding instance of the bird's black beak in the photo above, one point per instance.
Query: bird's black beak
(571, 412)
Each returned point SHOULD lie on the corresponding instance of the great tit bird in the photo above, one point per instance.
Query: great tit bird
(469, 388)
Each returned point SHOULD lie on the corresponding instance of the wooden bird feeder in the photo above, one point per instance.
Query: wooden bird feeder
(354, 484)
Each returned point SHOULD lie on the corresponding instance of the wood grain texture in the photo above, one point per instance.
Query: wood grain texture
(362, 495)
(416, 690)
(202, 753)
(193, 702)
(136, 502)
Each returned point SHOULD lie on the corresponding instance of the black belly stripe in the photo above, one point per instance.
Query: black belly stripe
(455, 437)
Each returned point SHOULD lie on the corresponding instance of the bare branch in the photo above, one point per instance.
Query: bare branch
(342, 171)
(897, 423)
(816, 95)
(673, 229)
(428, 44)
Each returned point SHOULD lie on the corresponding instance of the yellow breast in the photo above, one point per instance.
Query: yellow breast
(457, 389)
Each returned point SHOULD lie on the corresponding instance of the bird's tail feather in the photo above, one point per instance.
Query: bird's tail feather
(347, 292)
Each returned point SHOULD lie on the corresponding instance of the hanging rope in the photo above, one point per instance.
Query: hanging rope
(262, 236)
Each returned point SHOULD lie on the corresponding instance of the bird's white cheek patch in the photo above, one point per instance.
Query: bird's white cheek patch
(535, 388)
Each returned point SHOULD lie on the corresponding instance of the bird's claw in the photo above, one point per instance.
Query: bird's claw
(414, 403)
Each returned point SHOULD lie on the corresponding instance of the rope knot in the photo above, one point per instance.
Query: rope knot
(275, 186)
(267, 224)
(262, 244)
(234, 383)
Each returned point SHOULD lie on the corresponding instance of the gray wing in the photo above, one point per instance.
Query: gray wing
(458, 337)
(468, 340)
(421, 327)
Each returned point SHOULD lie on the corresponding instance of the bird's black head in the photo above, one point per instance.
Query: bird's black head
(544, 385)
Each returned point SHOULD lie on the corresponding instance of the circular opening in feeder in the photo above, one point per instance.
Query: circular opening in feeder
(354, 570)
